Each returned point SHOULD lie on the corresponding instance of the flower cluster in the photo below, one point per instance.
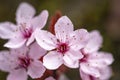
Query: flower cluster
(28, 43)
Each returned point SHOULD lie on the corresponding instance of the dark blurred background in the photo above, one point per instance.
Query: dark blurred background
(103, 15)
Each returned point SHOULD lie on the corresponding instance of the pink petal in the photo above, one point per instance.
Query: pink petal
(79, 39)
(71, 58)
(105, 73)
(19, 52)
(88, 69)
(70, 63)
(52, 60)
(50, 78)
(63, 28)
(30, 40)
(108, 57)
(36, 69)
(36, 52)
(101, 59)
(40, 20)
(95, 42)
(75, 54)
(7, 30)
(45, 39)
(19, 74)
(7, 61)
(24, 13)
(84, 76)
(15, 42)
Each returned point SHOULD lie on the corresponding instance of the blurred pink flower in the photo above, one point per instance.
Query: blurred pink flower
(22, 62)
(50, 78)
(94, 61)
(61, 77)
(63, 46)
(25, 28)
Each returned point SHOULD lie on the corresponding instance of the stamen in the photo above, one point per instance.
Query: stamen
(26, 32)
(24, 62)
(84, 59)
(62, 48)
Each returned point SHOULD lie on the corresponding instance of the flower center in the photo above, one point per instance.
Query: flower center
(26, 32)
(62, 48)
(84, 59)
(24, 62)
(91, 77)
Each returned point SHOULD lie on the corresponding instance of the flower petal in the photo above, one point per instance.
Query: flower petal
(101, 59)
(36, 69)
(40, 20)
(24, 13)
(19, 74)
(88, 69)
(30, 40)
(105, 73)
(63, 28)
(7, 30)
(84, 76)
(79, 39)
(20, 52)
(7, 61)
(75, 54)
(15, 43)
(71, 58)
(36, 52)
(45, 39)
(70, 63)
(94, 42)
(52, 60)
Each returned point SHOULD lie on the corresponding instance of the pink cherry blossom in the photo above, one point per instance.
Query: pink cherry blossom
(94, 61)
(91, 63)
(64, 46)
(23, 31)
(22, 62)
